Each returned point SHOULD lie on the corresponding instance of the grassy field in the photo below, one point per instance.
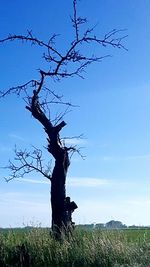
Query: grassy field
(35, 247)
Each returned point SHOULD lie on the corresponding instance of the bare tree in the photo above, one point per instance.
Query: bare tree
(38, 103)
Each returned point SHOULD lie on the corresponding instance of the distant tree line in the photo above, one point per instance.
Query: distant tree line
(110, 225)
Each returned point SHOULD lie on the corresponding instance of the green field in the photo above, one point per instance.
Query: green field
(103, 248)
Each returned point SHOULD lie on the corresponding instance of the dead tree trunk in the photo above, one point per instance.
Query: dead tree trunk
(62, 208)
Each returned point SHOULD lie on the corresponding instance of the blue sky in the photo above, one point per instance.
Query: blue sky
(113, 182)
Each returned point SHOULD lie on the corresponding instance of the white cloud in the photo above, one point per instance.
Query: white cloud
(86, 182)
(32, 181)
(71, 181)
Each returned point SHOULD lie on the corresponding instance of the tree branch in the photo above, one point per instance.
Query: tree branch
(27, 162)
(33, 40)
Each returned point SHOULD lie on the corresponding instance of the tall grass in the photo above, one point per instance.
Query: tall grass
(95, 248)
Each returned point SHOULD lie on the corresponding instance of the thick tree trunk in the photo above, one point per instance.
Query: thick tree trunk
(62, 208)
(58, 192)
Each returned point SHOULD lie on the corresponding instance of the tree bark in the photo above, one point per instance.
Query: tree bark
(58, 193)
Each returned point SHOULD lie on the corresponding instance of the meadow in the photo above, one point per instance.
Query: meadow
(84, 248)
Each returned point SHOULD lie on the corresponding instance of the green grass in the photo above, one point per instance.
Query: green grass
(96, 248)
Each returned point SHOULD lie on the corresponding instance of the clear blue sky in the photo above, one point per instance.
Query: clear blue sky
(113, 182)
